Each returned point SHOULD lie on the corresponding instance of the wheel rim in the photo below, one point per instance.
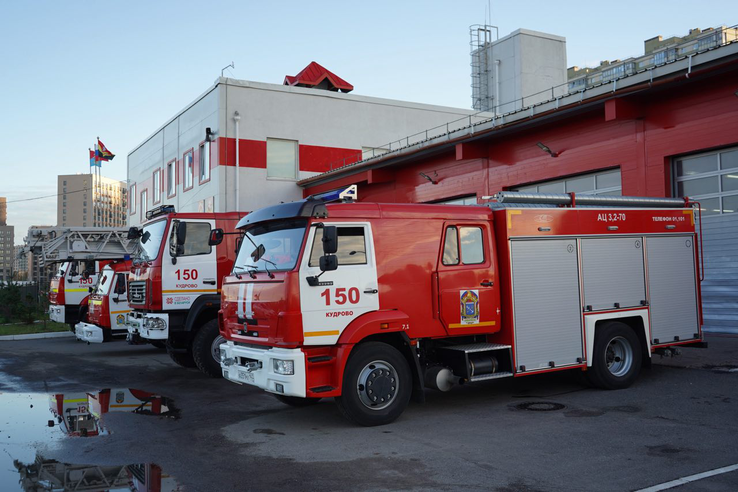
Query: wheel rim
(215, 348)
(377, 385)
(619, 356)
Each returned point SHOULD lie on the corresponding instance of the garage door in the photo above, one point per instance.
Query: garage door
(712, 179)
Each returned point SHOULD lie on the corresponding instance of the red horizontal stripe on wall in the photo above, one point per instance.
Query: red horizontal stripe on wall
(251, 152)
(321, 159)
(312, 158)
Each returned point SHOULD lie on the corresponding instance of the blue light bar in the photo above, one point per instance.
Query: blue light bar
(349, 193)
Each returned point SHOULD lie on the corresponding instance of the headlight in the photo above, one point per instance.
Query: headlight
(155, 324)
(286, 367)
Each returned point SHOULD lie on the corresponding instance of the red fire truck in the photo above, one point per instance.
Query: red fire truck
(69, 290)
(174, 285)
(107, 306)
(371, 303)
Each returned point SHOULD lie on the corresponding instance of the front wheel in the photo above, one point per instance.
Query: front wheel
(377, 385)
(206, 349)
(616, 359)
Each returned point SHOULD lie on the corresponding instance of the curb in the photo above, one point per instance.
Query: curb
(37, 336)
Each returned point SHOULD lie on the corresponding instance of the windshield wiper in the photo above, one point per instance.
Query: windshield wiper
(266, 269)
(245, 269)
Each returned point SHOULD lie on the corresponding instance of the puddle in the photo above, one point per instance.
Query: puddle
(33, 424)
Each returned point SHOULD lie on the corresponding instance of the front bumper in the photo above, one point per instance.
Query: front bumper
(89, 333)
(234, 360)
(57, 313)
(137, 325)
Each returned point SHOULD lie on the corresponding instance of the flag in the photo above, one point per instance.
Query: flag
(103, 153)
(93, 159)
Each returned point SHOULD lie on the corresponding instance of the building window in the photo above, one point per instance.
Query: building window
(132, 203)
(204, 164)
(189, 170)
(157, 186)
(65, 182)
(599, 183)
(171, 178)
(281, 158)
(144, 204)
(710, 179)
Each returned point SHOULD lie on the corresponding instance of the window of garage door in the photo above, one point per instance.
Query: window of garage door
(599, 183)
(709, 178)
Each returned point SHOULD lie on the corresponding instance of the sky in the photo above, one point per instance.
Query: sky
(72, 71)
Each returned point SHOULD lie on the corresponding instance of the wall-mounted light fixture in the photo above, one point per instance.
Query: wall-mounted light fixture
(545, 148)
(433, 181)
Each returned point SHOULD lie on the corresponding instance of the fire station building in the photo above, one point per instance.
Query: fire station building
(277, 134)
(667, 126)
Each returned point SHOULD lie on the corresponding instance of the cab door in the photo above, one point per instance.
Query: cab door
(342, 295)
(118, 302)
(469, 298)
(193, 271)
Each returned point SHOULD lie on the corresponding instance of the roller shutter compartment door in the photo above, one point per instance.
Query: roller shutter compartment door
(612, 270)
(548, 311)
(671, 288)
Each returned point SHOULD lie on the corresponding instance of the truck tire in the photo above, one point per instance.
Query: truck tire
(296, 401)
(183, 359)
(616, 360)
(377, 385)
(206, 349)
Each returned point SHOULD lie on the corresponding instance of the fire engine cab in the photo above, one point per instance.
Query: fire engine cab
(371, 303)
(174, 285)
(69, 290)
(107, 306)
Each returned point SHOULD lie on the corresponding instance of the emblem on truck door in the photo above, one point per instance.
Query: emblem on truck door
(469, 307)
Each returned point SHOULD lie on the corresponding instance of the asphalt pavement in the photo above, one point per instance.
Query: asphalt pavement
(535, 433)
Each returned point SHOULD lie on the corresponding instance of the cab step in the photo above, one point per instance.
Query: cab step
(478, 361)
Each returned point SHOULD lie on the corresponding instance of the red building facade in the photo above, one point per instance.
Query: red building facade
(643, 127)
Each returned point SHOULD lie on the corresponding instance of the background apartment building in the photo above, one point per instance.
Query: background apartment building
(86, 200)
(6, 243)
(20, 264)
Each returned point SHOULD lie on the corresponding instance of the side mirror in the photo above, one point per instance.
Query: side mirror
(90, 289)
(116, 300)
(145, 237)
(330, 240)
(328, 263)
(258, 252)
(216, 237)
(134, 233)
(181, 233)
(120, 285)
(239, 242)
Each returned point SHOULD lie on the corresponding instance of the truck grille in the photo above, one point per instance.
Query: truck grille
(137, 291)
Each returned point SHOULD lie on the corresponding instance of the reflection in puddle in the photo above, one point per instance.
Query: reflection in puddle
(81, 414)
(27, 434)
(50, 475)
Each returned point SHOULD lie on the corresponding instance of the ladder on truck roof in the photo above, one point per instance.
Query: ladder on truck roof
(521, 199)
(57, 244)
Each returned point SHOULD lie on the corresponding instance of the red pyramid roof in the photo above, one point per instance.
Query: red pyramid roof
(314, 74)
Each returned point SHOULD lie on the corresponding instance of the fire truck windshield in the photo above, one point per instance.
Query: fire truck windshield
(104, 282)
(271, 246)
(151, 237)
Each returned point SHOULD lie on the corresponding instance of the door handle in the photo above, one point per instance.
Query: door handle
(210, 281)
(371, 291)
(487, 283)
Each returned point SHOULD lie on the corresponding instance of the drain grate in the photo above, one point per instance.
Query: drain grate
(540, 406)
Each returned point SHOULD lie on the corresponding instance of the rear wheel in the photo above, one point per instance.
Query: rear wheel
(296, 401)
(377, 385)
(183, 359)
(616, 359)
(206, 349)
